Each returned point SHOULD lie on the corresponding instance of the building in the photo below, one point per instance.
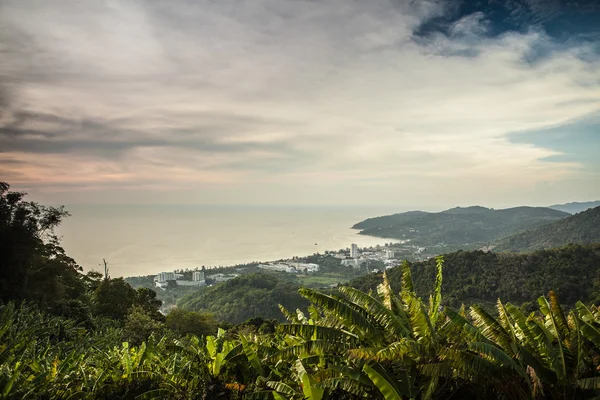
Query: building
(198, 276)
(390, 254)
(165, 277)
(306, 267)
(222, 277)
(354, 262)
(278, 267)
(354, 250)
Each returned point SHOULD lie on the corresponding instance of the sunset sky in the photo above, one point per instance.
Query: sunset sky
(362, 102)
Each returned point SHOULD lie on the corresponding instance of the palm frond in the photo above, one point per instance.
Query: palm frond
(436, 299)
(407, 282)
(383, 315)
(387, 385)
(354, 320)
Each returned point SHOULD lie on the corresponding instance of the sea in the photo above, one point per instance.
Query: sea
(147, 239)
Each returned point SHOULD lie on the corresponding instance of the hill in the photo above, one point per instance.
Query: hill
(469, 227)
(582, 228)
(479, 277)
(247, 296)
(575, 207)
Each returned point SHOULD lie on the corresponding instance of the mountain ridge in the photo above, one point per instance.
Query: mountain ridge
(461, 226)
(575, 206)
(581, 228)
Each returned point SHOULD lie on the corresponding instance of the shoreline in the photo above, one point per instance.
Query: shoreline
(288, 259)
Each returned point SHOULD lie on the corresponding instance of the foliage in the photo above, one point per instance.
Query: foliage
(351, 345)
(196, 323)
(49, 357)
(139, 326)
(483, 277)
(468, 227)
(245, 297)
(32, 264)
(582, 228)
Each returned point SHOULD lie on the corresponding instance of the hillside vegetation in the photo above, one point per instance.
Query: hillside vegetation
(480, 277)
(468, 227)
(582, 228)
(256, 294)
(351, 346)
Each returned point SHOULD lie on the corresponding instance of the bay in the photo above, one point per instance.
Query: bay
(142, 240)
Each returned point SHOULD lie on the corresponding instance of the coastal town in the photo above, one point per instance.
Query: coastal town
(368, 259)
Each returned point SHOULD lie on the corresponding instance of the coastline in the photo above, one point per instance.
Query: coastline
(164, 238)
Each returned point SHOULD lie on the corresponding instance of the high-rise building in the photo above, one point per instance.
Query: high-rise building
(198, 276)
(354, 250)
(166, 276)
(390, 254)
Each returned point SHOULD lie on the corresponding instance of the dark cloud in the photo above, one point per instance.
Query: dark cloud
(561, 19)
(108, 139)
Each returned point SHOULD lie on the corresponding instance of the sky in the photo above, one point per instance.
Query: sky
(312, 102)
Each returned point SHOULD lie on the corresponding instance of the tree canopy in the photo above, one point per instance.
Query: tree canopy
(483, 277)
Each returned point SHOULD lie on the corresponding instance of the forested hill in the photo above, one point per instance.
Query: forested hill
(256, 294)
(575, 207)
(480, 277)
(582, 228)
(468, 227)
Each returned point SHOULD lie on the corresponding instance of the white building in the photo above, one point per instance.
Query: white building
(354, 262)
(354, 250)
(278, 267)
(165, 276)
(390, 254)
(198, 276)
(308, 267)
(221, 277)
(162, 279)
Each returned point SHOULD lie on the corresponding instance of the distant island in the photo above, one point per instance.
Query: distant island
(576, 207)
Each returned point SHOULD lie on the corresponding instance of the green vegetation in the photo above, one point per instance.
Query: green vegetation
(34, 267)
(480, 277)
(256, 294)
(582, 228)
(353, 345)
(468, 227)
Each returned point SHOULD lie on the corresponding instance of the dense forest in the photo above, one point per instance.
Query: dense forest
(69, 335)
(582, 228)
(468, 227)
(483, 277)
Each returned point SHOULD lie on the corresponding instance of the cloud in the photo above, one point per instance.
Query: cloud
(332, 96)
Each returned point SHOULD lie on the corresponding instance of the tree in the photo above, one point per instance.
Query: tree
(147, 301)
(114, 298)
(139, 326)
(33, 266)
(191, 322)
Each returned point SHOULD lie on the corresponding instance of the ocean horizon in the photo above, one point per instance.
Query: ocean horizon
(147, 239)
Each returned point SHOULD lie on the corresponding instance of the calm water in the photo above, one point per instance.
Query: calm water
(141, 240)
